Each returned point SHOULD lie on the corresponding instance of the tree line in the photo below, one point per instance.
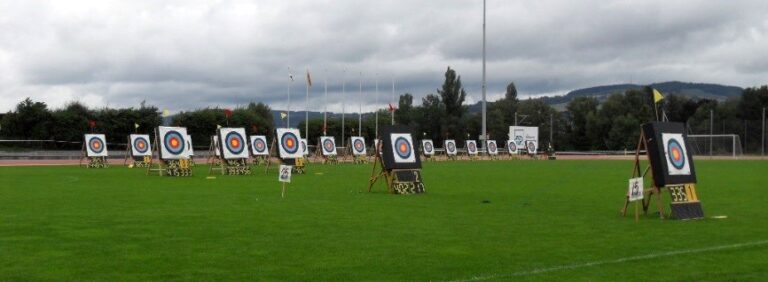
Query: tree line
(584, 124)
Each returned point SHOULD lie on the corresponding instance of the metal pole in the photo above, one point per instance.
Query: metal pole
(551, 128)
(343, 104)
(762, 147)
(306, 111)
(376, 108)
(325, 107)
(711, 129)
(392, 100)
(484, 102)
(360, 114)
(515, 118)
(288, 113)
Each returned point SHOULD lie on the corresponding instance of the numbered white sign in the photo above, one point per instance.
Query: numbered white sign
(285, 173)
(635, 190)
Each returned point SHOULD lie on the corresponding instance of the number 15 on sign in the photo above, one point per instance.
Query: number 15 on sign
(284, 176)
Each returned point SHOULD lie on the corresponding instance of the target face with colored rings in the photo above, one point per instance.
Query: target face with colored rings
(471, 147)
(492, 147)
(402, 147)
(512, 147)
(140, 145)
(259, 145)
(96, 145)
(290, 143)
(428, 147)
(531, 147)
(235, 142)
(174, 142)
(675, 155)
(328, 144)
(359, 145)
(450, 147)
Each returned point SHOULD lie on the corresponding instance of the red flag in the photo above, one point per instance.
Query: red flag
(391, 108)
(92, 123)
(227, 113)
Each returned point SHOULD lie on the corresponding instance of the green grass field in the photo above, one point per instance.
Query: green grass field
(546, 220)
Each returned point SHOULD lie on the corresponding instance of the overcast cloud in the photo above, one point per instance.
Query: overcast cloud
(187, 54)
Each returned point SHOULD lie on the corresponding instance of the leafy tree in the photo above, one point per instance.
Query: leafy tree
(579, 108)
(453, 95)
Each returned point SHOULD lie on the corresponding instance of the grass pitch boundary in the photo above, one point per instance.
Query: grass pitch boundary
(615, 261)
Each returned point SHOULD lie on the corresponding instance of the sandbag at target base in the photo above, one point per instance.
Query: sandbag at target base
(97, 162)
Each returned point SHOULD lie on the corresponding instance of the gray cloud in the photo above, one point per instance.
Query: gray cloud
(191, 54)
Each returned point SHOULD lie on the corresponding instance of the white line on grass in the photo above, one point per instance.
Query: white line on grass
(604, 262)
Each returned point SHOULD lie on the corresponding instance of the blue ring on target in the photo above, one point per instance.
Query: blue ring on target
(492, 146)
(673, 145)
(284, 140)
(259, 145)
(512, 146)
(96, 140)
(328, 145)
(398, 146)
(140, 140)
(240, 141)
(472, 147)
(530, 146)
(359, 146)
(167, 142)
(428, 147)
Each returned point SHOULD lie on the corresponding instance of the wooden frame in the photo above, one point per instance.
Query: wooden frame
(654, 190)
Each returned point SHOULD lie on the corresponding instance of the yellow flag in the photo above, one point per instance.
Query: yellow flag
(136, 125)
(283, 115)
(657, 96)
(218, 126)
(166, 113)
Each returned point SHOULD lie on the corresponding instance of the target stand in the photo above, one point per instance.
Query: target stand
(327, 159)
(397, 162)
(135, 161)
(170, 167)
(684, 201)
(94, 152)
(299, 164)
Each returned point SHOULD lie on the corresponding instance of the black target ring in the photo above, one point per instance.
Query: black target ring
(675, 154)
(290, 143)
(259, 145)
(234, 142)
(451, 147)
(140, 145)
(359, 145)
(96, 145)
(403, 147)
(428, 147)
(174, 148)
(328, 145)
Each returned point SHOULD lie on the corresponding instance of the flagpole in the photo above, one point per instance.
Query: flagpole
(325, 107)
(288, 117)
(484, 119)
(360, 114)
(306, 110)
(376, 108)
(392, 100)
(343, 103)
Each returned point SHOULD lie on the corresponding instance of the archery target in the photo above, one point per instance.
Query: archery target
(215, 142)
(402, 146)
(259, 145)
(531, 147)
(289, 143)
(472, 147)
(358, 146)
(140, 145)
(492, 149)
(233, 144)
(173, 143)
(328, 143)
(512, 147)
(95, 145)
(304, 147)
(427, 147)
(190, 150)
(450, 147)
(675, 153)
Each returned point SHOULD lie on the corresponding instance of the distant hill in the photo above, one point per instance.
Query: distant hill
(687, 89)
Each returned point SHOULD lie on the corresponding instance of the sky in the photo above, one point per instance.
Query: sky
(189, 54)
